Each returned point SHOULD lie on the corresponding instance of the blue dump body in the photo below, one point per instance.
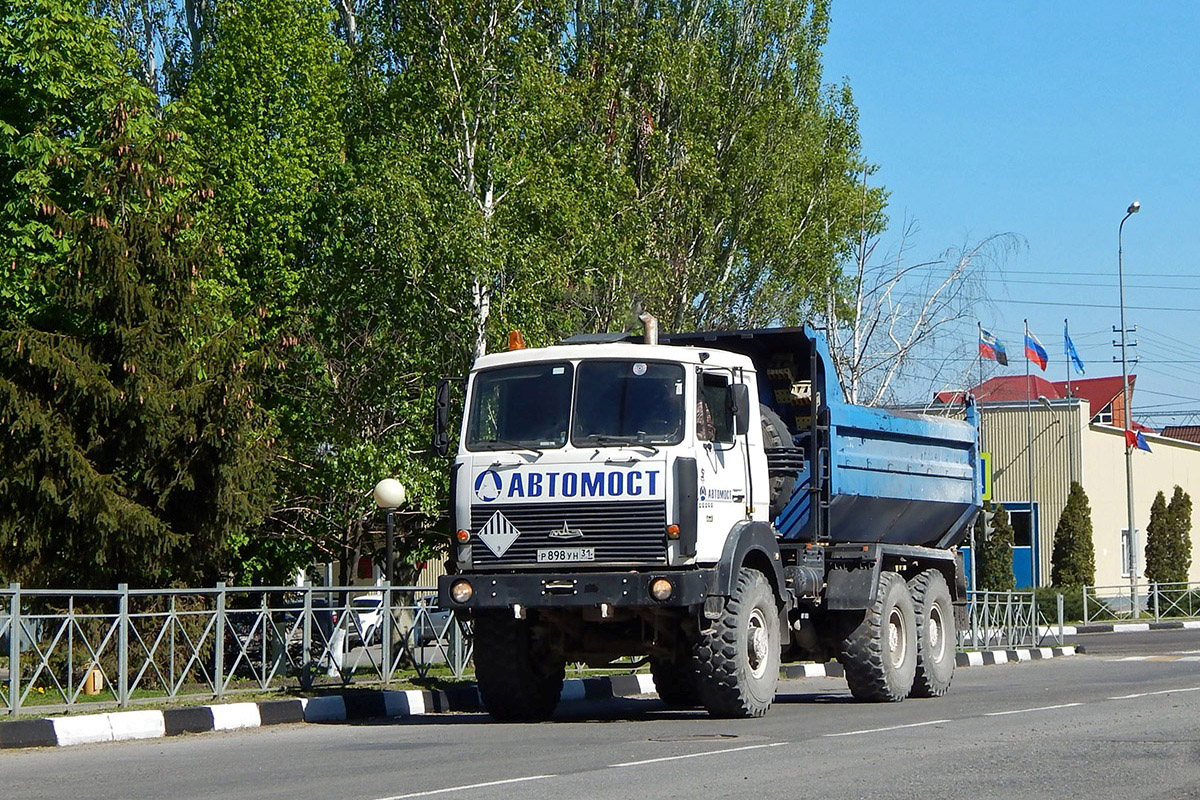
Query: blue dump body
(893, 477)
(896, 478)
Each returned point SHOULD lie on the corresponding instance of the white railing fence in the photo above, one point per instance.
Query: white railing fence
(1155, 602)
(61, 647)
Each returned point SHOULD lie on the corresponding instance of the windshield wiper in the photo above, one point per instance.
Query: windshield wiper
(604, 438)
(511, 445)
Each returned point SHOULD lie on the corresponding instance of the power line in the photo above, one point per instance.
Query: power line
(1044, 273)
(1191, 310)
(1127, 285)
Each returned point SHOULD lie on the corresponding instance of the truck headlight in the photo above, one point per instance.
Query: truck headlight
(461, 591)
(661, 589)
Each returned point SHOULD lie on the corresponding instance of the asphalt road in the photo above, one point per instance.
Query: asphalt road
(1094, 726)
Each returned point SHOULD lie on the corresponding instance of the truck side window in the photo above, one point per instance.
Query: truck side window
(714, 409)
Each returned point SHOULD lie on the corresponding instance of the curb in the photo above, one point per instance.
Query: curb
(396, 704)
(1133, 627)
(119, 726)
(982, 658)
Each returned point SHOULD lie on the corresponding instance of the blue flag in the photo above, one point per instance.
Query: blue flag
(1069, 349)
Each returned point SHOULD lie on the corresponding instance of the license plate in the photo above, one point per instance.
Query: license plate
(557, 555)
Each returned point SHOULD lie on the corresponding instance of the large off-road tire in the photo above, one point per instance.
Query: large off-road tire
(880, 654)
(675, 680)
(776, 434)
(519, 677)
(936, 638)
(737, 656)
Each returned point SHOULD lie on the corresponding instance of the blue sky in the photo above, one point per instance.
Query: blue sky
(1046, 120)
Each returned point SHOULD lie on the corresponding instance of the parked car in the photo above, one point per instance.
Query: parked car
(367, 625)
(432, 624)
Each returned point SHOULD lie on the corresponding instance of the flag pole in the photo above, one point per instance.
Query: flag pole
(1033, 547)
(979, 325)
(978, 402)
(1071, 430)
(979, 411)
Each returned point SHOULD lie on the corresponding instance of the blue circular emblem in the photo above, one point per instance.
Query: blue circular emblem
(487, 485)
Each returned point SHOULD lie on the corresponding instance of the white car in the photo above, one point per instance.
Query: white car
(367, 624)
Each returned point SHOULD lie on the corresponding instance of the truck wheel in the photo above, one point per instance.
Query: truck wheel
(936, 639)
(737, 656)
(776, 434)
(675, 681)
(519, 677)
(880, 655)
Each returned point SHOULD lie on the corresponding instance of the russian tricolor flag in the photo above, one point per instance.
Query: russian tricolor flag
(1034, 350)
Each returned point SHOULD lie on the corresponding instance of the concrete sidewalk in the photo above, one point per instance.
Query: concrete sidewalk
(372, 704)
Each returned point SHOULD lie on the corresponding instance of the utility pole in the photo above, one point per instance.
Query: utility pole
(1134, 207)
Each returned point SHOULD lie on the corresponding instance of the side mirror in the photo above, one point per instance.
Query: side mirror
(741, 408)
(441, 418)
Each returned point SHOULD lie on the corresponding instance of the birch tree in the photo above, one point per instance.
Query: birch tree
(742, 160)
(886, 317)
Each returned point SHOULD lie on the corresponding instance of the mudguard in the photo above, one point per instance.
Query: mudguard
(752, 544)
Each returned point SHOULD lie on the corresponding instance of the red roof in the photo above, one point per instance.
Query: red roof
(1188, 433)
(1099, 392)
(1007, 389)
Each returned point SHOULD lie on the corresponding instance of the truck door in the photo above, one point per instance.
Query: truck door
(722, 463)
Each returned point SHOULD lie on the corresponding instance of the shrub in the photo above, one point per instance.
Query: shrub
(1073, 562)
(995, 573)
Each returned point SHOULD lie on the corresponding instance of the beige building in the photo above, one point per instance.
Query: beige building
(1070, 441)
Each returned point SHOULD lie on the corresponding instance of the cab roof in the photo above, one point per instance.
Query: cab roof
(617, 350)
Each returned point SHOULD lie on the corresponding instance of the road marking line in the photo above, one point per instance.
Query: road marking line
(696, 755)
(1149, 694)
(468, 786)
(1027, 710)
(892, 728)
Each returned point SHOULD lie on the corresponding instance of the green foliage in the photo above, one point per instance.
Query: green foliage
(1180, 512)
(995, 573)
(269, 96)
(1047, 604)
(1168, 538)
(1158, 544)
(134, 448)
(1073, 562)
(382, 208)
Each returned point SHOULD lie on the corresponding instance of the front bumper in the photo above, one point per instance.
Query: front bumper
(577, 589)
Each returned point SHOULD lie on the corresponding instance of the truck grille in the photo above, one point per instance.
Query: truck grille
(626, 533)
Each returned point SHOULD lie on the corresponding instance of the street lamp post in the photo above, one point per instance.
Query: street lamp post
(389, 495)
(1134, 207)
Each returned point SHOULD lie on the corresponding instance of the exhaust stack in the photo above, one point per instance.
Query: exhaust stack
(650, 326)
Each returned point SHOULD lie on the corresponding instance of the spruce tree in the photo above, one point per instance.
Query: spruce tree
(1158, 541)
(1179, 520)
(995, 572)
(1073, 562)
(133, 447)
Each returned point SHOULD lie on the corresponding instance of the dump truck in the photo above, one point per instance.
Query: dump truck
(707, 503)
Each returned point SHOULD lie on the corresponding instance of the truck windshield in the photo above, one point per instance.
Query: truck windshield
(626, 402)
(525, 406)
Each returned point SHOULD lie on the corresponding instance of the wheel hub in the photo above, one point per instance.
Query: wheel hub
(896, 643)
(936, 638)
(758, 644)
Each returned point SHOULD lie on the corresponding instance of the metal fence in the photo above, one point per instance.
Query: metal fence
(1155, 601)
(65, 648)
(1008, 619)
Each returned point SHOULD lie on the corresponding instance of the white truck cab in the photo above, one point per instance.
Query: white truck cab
(582, 454)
